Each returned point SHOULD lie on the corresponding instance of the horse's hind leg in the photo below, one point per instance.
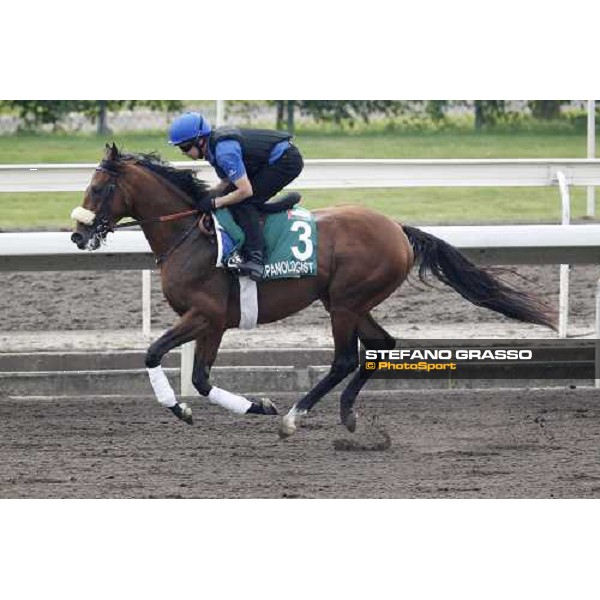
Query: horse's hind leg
(373, 337)
(188, 328)
(345, 334)
(206, 352)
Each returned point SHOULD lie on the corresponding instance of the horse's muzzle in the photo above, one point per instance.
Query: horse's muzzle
(81, 236)
(78, 240)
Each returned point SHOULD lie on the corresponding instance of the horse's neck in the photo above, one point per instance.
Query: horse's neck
(154, 198)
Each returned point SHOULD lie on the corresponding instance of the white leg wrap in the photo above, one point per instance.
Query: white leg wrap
(161, 386)
(236, 404)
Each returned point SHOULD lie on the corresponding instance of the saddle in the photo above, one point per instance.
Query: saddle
(286, 202)
(290, 239)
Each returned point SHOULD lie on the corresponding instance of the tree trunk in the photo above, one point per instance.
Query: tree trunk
(102, 118)
(479, 117)
(545, 109)
(280, 109)
(290, 116)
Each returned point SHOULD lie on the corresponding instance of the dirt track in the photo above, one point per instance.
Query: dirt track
(529, 444)
(112, 301)
(455, 444)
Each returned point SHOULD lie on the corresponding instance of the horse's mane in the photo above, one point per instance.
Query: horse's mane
(184, 179)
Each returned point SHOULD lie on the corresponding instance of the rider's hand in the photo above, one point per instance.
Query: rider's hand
(207, 204)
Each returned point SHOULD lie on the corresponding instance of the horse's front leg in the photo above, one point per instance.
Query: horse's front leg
(206, 352)
(187, 329)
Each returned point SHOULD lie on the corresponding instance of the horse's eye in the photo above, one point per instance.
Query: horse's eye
(96, 189)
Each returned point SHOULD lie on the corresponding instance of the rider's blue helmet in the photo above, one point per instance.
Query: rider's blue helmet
(188, 126)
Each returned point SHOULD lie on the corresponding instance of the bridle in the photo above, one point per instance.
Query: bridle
(108, 191)
(101, 224)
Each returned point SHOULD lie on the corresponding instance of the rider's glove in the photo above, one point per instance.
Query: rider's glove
(207, 204)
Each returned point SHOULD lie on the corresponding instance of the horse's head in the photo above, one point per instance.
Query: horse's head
(104, 204)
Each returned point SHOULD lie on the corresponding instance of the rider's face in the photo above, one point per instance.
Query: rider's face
(192, 153)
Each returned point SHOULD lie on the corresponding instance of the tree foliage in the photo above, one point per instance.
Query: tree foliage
(349, 111)
(40, 112)
(488, 112)
(545, 109)
(35, 113)
(337, 111)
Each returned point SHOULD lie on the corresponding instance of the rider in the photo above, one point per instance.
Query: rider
(252, 165)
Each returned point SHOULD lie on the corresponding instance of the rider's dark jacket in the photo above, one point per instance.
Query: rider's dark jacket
(256, 144)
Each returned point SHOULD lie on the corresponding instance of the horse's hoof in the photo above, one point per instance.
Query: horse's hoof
(187, 414)
(262, 406)
(349, 421)
(267, 405)
(184, 412)
(286, 427)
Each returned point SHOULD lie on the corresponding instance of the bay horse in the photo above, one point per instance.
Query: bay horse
(362, 257)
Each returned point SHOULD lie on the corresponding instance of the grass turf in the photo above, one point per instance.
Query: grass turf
(411, 205)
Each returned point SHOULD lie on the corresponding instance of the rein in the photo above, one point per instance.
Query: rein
(163, 219)
(160, 259)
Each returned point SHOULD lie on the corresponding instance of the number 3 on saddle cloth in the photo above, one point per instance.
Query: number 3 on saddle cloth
(290, 243)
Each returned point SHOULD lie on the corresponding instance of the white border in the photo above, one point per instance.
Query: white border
(298, 549)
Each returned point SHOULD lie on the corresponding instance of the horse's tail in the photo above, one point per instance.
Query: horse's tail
(477, 285)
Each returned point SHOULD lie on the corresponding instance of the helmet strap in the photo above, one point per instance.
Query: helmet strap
(198, 144)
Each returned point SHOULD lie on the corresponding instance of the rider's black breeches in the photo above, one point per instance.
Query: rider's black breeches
(265, 184)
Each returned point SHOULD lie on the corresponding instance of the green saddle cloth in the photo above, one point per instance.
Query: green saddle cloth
(290, 240)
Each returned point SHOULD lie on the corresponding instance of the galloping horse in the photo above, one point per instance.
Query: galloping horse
(362, 258)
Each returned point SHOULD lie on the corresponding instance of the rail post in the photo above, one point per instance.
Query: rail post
(563, 299)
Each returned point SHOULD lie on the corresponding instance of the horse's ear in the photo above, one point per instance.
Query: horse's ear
(111, 152)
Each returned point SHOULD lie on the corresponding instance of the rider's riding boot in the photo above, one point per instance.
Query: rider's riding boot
(254, 265)
(248, 219)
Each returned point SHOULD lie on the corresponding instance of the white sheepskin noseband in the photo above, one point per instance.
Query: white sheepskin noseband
(83, 215)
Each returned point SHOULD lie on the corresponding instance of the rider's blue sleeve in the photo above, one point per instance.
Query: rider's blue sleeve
(228, 155)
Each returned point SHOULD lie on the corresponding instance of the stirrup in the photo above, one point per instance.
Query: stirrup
(234, 261)
(254, 270)
(253, 266)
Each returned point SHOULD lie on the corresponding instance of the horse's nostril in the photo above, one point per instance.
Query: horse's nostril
(77, 238)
